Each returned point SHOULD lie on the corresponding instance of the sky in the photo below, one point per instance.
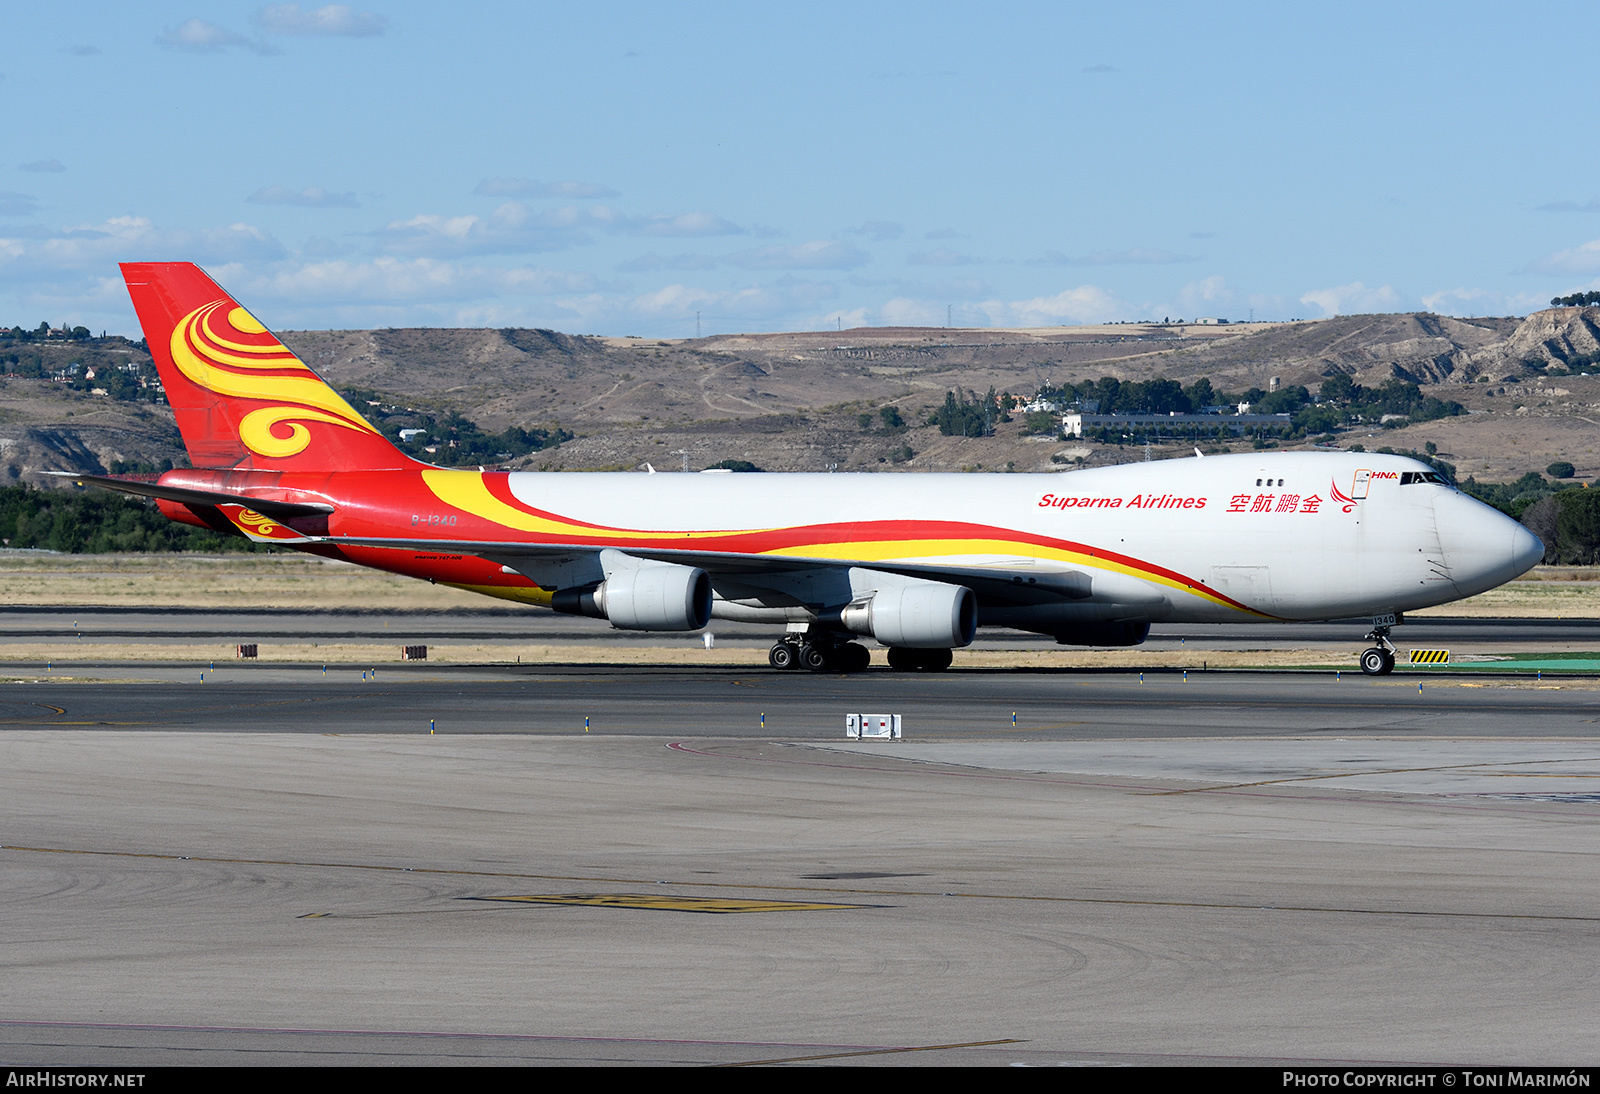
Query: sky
(662, 170)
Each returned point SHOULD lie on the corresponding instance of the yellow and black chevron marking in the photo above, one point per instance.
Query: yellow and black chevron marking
(713, 905)
(1430, 657)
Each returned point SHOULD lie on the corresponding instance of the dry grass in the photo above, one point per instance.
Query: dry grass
(205, 581)
(304, 581)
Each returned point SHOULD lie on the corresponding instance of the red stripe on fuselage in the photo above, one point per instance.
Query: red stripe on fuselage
(380, 504)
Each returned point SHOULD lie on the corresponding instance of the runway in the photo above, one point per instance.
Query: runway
(628, 700)
(529, 625)
(277, 866)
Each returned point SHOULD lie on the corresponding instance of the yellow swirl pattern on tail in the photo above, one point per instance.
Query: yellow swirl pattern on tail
(207, 356)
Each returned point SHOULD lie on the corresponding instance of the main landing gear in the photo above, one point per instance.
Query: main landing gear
(1378, 660)
(819, 653)
(827, 652)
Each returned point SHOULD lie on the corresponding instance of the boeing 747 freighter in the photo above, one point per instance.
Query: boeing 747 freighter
(916, 562)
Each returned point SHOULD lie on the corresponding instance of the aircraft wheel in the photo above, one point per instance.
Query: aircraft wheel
(902, 660)
(814, 658)
(936, 660)
(854, 657)
(1388, 662)
(1377, 661)
(781, 656)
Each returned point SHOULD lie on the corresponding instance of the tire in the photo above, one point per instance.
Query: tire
(1376, 661)
(781, 656)
(853, 657)
(814, 658)
(902, 660)
(936, 660)
(1388, 663)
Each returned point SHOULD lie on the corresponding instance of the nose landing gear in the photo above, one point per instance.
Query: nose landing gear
(1378, 660)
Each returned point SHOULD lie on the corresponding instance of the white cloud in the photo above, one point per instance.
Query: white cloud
(311, 197)
(532, 188)
(879, 230)
(95, 248)
(1583, 259)
(199, 36)
(946, 288)
(1133, 256)
(819, 254)
(13, 204)
(511, 229)
(839, 320)
(672, 307)
(653, 261)
(514, 228)
(1206, 294)
(684, 224)
(941, 256)
(323, 247)
(904, 311)
(333, 19)
(43, 166)
(1084, 304)
(1456, 301)
(388, 280)
(1352, 299)
(1465, 302)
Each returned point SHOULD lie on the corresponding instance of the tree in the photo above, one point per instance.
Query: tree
(1201, 394)
(1340, 388)
(1578, 526)
(960, 419)
(1540, 518)
(1561, 469)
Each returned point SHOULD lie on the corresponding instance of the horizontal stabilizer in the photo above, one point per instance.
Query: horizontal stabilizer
(277, 510)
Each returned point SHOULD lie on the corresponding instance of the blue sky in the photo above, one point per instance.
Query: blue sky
(617, 168)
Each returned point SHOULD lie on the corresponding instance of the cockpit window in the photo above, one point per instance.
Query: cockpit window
(1409, 477)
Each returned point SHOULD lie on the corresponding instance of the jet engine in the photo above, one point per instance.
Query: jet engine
(917, 614)
(653, 597)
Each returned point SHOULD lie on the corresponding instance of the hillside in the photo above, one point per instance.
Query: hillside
(794, 401)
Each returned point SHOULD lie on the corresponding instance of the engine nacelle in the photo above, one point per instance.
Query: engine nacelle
(653, 597)
(918, 615)
(1104, 634)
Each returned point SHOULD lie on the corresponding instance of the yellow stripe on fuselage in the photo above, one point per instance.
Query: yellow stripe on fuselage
(915, 550)
(466, 491)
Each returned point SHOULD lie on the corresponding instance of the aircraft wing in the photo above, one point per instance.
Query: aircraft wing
(994, 585)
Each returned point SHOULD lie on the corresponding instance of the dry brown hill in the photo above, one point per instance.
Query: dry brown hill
(792, 401)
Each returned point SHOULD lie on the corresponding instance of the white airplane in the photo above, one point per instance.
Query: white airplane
(916, 562)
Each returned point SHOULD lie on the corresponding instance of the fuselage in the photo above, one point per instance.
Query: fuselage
(1274, 536)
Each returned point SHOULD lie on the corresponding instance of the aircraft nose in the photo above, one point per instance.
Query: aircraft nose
(1527, 550)
(1482, 546)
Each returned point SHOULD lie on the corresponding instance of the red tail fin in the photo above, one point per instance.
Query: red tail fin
(241, 398)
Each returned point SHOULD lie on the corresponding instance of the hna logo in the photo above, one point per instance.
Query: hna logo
(1386, 474)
